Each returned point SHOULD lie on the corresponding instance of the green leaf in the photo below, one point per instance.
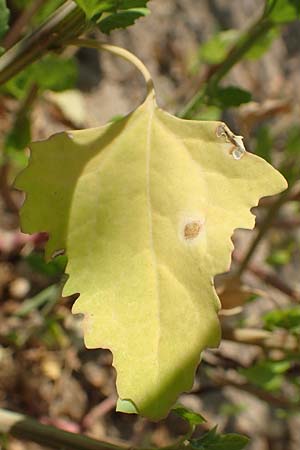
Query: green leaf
(54, 268)
(213, 441)
(128, 4)
(263, 44)
(288, 319)
(230, 96)
(94, 7)
(280, 257)
(146, 207)
(267, 374)
(4, 18)
(122, 19)
(209, 112)
(215, 49)
(189, 415)
(51, 72)
(54, 73)
(283, 11)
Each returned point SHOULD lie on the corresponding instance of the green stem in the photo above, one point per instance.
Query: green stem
(257, 30)
(67, 22)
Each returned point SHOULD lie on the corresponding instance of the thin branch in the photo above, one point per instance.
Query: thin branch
(263, 338)
(273, 280)
(23, 427)
(220, 378)
(67, 22)
(17, 28)
(219, 71)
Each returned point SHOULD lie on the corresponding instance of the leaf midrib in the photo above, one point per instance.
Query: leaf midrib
(150, 218)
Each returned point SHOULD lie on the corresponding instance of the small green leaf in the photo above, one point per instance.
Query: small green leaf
(189, 415)
(230, 96)
(128, 4)
(94, 7)
(280, 257)
(54, 73)
(209, 112)
(232, 409)
(214, 441)
(215, 49)
(53, 268)
(267, 374)
(288, 319)
(283, 11)
(4, 18)
(51, 72)
(263, 44)
(121, 19)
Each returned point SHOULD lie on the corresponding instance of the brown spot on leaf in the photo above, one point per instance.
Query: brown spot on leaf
(192, 230)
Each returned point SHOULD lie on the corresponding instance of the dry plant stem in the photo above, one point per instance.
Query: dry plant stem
(67, 22)
(17, 28)
(262, 338)
(23, 427)
(264, 227)
(220, 378)
(272, 279)
(118, 51)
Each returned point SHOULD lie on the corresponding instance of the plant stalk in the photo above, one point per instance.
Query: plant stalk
(249, 38)
(23, 427)
(67, 22)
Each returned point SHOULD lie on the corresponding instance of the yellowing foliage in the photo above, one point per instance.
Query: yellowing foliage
(146, 208)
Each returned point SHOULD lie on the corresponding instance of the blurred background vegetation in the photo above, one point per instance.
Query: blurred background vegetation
(236, 60)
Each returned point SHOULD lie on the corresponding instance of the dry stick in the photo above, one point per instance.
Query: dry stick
(263, 338)
(23, 427)
(17, 28)
(222, 380)
(273, 280)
